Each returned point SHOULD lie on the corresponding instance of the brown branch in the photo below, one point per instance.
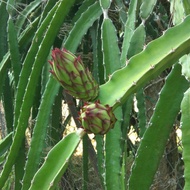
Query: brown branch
(74, 113)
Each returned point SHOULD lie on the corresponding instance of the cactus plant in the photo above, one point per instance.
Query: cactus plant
(120, 58)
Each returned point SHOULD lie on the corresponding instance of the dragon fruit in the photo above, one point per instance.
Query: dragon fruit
(97, 118)
(69, 70)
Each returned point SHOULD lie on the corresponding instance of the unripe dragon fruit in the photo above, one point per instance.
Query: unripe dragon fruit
(72, 75)
(97, 118)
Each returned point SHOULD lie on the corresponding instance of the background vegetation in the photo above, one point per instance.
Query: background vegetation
(138, 53)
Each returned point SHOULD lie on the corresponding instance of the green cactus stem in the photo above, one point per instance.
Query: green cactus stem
(72, 75)
(56, 162)
(185, 120)
(97, 118)
(146, 65)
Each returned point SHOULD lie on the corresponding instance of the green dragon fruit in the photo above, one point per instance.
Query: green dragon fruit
(72, 75)
(97, 118)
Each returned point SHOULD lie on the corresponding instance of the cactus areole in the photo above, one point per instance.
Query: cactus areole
(97, 118)
(69, 70)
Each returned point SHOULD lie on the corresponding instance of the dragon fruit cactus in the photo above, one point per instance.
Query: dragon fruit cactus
(72, 75)
(97, 118)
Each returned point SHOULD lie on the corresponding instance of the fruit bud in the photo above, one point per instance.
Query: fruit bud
(72, 75)
(97, 118)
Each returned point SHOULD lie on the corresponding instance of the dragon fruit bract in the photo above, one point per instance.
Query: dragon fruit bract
(97, 118)
(72, 75)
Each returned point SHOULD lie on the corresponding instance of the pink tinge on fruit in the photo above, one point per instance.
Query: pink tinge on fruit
(97, 118)
(70, 72)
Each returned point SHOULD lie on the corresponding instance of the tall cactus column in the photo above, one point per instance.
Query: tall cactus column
(111, 62)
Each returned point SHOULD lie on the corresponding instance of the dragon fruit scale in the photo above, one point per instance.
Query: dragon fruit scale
(97, 118)
(69, 70)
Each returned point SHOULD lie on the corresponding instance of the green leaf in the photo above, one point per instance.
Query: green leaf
(39, 133)
(25, 13)
(40, 58)
(155, 138)
(186, 5)
(137, 41)
(5, 144)
(146, 8)
(81, 26)
(56, 162)
(3, 29)
(105, 4)
(185, 60)
(129, 30)
(110, 48)
(113, 154)
(14, 51)
(185, 127)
